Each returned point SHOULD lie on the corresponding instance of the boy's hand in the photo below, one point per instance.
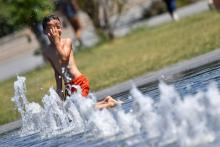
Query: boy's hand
(54, 35)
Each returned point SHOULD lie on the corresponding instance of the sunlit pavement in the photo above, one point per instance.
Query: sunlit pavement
(124, 26)
(19, 65)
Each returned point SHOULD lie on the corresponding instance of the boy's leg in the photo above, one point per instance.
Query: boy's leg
(107, 102)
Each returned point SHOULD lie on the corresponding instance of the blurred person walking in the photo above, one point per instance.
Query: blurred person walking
(214, 4)
(70, 9)
(171, 7)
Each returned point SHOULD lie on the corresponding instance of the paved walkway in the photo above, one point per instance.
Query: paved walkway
(19, 64)
(124, 29)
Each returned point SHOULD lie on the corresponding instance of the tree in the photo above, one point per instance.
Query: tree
(100, 11)
(30, 13)
(6, 24)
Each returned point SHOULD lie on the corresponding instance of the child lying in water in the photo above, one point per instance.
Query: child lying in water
(60, 55)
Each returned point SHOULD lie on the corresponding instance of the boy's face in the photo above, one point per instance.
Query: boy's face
(51, 25)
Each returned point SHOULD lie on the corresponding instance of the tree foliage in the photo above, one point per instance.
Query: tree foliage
(29, 11)
(15, 14)
(6, 23)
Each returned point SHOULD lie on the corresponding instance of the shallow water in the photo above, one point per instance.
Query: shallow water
(179, 111)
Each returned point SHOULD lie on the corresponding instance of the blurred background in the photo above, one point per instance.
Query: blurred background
(94, 22)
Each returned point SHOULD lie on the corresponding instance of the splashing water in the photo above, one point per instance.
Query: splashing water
(192, 120)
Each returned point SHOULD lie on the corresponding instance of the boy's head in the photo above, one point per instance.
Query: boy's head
(50, 22)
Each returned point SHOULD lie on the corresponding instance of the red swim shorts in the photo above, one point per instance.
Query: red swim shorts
(82, 81)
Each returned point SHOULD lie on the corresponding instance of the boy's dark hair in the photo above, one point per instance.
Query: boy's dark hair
(46, 19)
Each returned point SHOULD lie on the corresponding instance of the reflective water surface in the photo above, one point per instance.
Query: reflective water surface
(179, 111)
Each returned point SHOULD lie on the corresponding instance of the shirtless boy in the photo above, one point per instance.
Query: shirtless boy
(60, 55)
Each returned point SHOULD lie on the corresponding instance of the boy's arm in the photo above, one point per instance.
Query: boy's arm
(58, 78)
(59, 84)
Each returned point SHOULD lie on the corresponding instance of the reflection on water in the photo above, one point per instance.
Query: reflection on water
(174, 119)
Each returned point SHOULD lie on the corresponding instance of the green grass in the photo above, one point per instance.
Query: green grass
(142, 51)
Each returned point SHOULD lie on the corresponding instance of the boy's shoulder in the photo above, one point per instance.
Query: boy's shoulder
(67, 40)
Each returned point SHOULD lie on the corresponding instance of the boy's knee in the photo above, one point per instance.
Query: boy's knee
(111, 103)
